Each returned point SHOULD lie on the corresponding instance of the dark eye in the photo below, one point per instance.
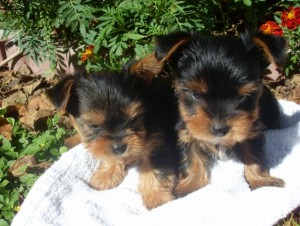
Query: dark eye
(135, 123)
(96, 128)
(196, 95)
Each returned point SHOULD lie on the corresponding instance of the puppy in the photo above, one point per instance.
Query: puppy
(123, 120)
(223, 103)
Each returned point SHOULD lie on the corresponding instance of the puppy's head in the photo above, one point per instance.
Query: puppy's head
(219, 81)
(107, 111)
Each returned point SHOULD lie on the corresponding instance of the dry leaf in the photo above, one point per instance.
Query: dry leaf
(38, 107)
(18, 168)
(6, 131)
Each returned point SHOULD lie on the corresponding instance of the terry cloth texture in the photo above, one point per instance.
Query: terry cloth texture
(61, 196)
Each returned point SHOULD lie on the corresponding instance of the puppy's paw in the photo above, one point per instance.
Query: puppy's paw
(107, 177)
(266, 181)
(154, 199)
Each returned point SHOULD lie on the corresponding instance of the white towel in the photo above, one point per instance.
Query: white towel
(61, 196)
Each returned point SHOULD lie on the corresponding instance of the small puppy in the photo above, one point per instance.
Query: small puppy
(123, 120)
(223, 103)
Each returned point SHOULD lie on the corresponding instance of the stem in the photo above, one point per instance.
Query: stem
(10, 58)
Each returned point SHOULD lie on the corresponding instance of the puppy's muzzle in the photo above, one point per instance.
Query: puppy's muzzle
(219, 130)
(119, 148)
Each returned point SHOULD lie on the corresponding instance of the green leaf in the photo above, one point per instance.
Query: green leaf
(3, 111)
(247, 2)
(63, 149)
(134, 36)
(30, 149)
(4, 183)
(6, 145)
(3, 223)
(11, 121)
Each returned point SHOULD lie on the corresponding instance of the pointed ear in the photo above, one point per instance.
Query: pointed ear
(147, 68)
(151, 65)
(63, 96)
(274, 48)
(168, 44)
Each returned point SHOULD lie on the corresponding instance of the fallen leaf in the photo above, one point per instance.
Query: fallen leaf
(19, 167)
(38, 107)
(5, 129)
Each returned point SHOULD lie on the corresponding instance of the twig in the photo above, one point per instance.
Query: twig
(10, 58)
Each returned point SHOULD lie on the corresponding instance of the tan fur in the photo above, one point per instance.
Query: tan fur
(109, 175)
(241, 126)
(66, 91)
(134, 109)
(254, 174)
(72, 141)
(147, 68)
(196, 175)
(266, 50)
(94, 117)
(174, 48)
(155, 190)
(247, 89)
(200, 122)
(199, 86)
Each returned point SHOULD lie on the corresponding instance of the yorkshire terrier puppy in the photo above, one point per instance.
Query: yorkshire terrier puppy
(223, 103)
(123, 120)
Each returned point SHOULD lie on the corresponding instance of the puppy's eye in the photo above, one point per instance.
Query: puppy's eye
(95, 128)
(196, 95)
(135, 123)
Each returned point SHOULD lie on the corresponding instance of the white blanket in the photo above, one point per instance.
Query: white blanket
(61, 196)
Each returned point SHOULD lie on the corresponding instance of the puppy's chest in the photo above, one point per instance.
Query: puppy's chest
(217, 152)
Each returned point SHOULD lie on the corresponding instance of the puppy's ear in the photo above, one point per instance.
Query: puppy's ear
(168, 44)
(274, 48)
(151, 65)
(146, 68)
(63, 96)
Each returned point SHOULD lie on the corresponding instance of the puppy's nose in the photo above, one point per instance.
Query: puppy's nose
(118, 148)
(219, 130)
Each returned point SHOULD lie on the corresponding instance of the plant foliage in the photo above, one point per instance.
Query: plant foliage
(43, 147)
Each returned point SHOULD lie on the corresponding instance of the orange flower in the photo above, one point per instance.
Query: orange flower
(271, 27)
(291, 18)
(88, 53)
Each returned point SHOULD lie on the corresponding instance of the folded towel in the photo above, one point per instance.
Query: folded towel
(61, 196)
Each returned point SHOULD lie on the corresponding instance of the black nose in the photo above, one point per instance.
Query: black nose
(219, 130)
(119, 149)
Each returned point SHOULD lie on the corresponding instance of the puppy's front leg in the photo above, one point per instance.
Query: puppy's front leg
(109, 175)
(156, 186)
(254, 173)
(193, 172)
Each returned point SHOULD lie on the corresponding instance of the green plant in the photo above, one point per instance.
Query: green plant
(127, 30)
(44, 30)
(22, 160)
(119, 30)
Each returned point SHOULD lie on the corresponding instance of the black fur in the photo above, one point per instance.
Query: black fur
(223, 64)
(113, 91)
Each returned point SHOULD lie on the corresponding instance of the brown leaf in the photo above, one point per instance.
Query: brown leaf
(27, 164)
(15, 98)
(38, 107)
(6, 131)
(19, 167)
